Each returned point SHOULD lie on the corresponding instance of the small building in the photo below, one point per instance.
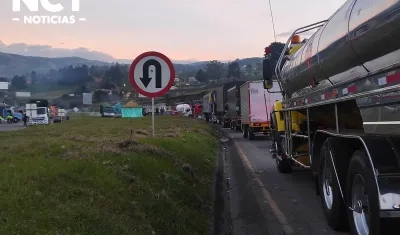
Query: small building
(131, 110)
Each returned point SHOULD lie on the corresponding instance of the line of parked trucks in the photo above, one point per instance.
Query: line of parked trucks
(241, 105)
(38, 111)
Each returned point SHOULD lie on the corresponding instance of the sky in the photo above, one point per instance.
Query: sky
(181, 29)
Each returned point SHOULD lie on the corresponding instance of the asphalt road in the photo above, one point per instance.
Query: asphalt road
(11, 127)
(264, 201)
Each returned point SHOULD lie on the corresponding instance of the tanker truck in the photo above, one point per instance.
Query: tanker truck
(339, 115)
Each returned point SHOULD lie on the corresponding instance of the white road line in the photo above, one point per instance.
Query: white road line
(267, 195)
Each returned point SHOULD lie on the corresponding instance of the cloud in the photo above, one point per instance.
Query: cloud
(51, 52)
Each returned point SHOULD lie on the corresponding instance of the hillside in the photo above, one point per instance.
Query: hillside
(12, 64)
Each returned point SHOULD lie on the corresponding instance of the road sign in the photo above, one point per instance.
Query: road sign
(152, 74)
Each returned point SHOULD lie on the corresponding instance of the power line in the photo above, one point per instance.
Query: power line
(272, 19)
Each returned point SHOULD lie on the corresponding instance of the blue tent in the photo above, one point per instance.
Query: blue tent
(131, 110)
(117, 108)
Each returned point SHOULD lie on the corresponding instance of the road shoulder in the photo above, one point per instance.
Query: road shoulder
(249, 209)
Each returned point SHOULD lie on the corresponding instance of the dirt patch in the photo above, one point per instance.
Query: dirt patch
(142, 132)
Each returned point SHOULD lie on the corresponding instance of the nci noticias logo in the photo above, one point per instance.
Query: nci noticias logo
(54, 12)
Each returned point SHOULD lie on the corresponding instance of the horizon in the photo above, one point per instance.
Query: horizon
(120, 61)
(182, 30)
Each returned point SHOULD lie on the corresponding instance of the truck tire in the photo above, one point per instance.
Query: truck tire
(361, 188)
(237, 128)
(329, 191)
(245, 132)
(251, 134)
(225, 124)
(284, 166)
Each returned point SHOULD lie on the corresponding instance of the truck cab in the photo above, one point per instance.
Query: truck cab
(38, 112)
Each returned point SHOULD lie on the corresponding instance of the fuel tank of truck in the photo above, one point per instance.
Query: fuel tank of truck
(362, 36)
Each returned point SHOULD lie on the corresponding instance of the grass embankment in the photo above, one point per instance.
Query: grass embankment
(107, 176)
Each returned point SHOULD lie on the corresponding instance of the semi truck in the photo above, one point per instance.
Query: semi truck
(233, 95)
(38, 112)
(233, 102)
(206, 107)
(221, 111)
(339, 116)
(253, 110)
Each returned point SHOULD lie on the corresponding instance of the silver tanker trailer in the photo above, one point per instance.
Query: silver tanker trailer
(340, 115)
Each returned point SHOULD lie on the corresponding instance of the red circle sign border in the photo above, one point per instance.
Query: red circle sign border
(132, 74)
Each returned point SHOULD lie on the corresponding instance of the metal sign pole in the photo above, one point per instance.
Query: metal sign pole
(152, 114)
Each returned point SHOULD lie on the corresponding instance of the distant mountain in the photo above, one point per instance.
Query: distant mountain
(12, 64)
(126, 61)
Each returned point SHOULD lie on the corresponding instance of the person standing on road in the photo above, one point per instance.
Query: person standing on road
(25, 119)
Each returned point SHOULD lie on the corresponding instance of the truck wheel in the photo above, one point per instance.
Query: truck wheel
(245, 132)
(329, 191)
(225, 124)
(362, 196)
(284, 166)
(15, 120)
(237, 128)
(251, 134)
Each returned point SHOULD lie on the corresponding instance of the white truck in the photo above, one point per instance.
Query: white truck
(255, 103)
(37, 115)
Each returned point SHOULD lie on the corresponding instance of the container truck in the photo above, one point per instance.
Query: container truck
(221, 111)
(233, 102)
(206, 107)
(340, 117)
(212, 104)
(253, 110)
(233, 95)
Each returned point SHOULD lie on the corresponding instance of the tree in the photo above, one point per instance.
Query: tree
(249, 69)
(99, 95)
(257, 71)
(234, 69)
(215, 70)
(3, 79)
(18, 82)
(115, 74)
(201, 76)
(33, 77)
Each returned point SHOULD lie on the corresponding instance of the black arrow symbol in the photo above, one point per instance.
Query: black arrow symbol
(146, 79)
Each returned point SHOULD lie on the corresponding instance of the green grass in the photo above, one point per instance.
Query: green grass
(107, 176)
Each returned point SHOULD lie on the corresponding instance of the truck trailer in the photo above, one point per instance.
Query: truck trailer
(253, 110)
(221, 109)
(233, 95)
(206, 107)
(340, 117)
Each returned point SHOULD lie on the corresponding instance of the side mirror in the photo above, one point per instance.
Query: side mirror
(267, 73)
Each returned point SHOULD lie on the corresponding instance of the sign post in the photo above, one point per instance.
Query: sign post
(152, 74)
(152, 114)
